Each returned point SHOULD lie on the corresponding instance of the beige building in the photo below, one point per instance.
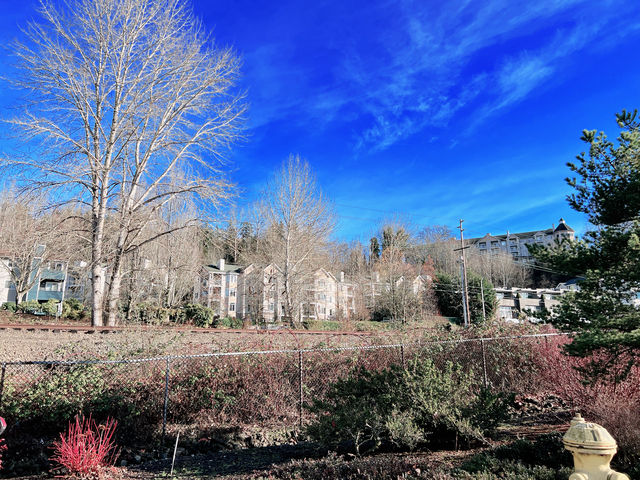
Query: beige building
(256, 292)
(517, 244)
(346, 298)
(260, 293)
(516, 304)
(218, 288)
(321, 297)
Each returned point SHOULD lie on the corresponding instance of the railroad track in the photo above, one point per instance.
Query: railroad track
(188, 329)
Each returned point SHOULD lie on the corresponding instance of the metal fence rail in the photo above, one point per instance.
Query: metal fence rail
(266, 388)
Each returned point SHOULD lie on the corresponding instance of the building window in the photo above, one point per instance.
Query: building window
(232, 307)
(226, 292)
(482, 244)
(271, 307)
(232, 292)
(233, 279)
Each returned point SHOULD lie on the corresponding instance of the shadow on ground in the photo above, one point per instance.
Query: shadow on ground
(223, 463)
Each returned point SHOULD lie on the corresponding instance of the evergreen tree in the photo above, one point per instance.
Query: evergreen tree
(449, 297)
(374, 249)
(602, 313)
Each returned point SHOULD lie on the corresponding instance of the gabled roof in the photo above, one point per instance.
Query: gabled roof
(327, 273)
(228, 268)
(563, 227)
(252, 266)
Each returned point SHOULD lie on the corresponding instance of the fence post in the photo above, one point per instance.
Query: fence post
(4, 369)
(166, 399)
(300, 391)
(404, 365)
(484, 364)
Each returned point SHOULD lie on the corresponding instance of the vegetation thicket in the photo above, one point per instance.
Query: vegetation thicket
(449, 296)
(421, 405)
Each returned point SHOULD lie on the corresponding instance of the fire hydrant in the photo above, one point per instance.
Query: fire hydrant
(592, 448)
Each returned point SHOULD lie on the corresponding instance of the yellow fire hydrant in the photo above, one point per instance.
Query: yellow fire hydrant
(592, 448)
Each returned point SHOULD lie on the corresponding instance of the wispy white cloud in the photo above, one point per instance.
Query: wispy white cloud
(430, 62)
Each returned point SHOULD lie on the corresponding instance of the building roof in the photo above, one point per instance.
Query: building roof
(228, 268)
(562, 226)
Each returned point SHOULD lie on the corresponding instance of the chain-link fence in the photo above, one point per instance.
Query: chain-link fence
(157, 397)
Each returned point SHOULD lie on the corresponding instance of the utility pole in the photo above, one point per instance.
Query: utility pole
(465, 313)
(465, 286)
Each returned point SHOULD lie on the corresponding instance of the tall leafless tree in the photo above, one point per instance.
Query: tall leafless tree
(135, 107)
(300, 220)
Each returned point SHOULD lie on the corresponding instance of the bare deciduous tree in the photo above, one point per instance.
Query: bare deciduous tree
(439, 244)
(300, 221)
(135, 107)
(28, 241)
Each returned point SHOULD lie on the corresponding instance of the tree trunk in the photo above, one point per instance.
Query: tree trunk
(98, 271)
(114, 297)
(97, 297)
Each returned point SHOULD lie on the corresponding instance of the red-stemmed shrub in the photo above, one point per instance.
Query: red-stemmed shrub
(86, 447)
(3, 447)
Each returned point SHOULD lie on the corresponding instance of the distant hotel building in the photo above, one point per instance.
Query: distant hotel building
(517, 243)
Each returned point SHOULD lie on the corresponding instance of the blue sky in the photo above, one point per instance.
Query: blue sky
(427, 110)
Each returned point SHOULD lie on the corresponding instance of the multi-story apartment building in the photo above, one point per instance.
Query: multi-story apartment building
(217, 288)
(260, 293)
(321, 302)
(346, 297)
(517, 244)
(256, 292)
(520, 303)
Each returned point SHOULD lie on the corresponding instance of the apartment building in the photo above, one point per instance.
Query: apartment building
(346, 297)
(256, 292)
(217, 288)
(517, 244)
(515, 304)
(260, 293)
(50, 284)
(321, 302)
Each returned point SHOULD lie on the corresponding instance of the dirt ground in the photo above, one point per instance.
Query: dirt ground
(22, 345)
